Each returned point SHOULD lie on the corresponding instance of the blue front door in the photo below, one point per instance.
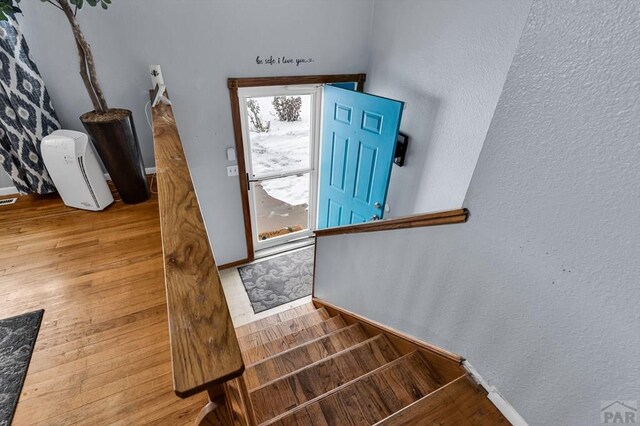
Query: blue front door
(359, 133)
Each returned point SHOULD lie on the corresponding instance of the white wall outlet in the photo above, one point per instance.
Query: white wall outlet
(156, 75)
(232, 170)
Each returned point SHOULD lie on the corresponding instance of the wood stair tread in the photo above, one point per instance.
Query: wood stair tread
(279, 396)
(368, 399)
(301, 356)
(460, 402)
(260, 352)
(283, 329)
(271, 320)
(307, 368)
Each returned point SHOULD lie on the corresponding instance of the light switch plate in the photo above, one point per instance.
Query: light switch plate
(232, 170)
(231, 154)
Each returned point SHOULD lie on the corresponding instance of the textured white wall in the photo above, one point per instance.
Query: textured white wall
(540, 289)
(199, 45)
(5, 180)
(447, 59)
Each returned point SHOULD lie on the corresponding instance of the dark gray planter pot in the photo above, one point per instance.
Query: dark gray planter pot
(114, 137)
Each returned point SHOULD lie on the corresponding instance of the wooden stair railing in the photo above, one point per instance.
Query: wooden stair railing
(204, 348)
(447, 217)
(413, 221)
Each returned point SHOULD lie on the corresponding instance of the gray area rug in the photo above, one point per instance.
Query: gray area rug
(279, 280)
(17, 338)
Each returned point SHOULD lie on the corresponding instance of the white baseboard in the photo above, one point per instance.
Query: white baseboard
(505, 408)
(12, 190)
(494, 396)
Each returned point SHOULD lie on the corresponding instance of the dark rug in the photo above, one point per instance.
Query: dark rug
(281, 279)
(17, 338)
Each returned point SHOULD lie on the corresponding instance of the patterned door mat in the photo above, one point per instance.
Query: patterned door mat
(17, 339)
(279, 280)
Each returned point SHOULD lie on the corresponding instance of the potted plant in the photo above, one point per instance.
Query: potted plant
(111, 129)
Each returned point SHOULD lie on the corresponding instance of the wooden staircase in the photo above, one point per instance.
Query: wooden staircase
(318, 366)
(313, 365)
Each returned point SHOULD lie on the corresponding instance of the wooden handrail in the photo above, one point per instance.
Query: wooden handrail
(204, 347)
(413, 221)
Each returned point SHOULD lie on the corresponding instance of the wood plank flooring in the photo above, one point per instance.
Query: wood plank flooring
(460, 402)
(368, 400)
(359, 374)
(279, 396)
(102, 355)
(296, 358)
(272, 320)
(285, 328)
(255, 354)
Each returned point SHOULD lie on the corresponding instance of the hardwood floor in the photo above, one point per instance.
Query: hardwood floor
(102, 355)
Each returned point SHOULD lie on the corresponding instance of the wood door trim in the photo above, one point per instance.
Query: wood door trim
(242, 170)
(234, 84)
(413, 221)
(232, 264)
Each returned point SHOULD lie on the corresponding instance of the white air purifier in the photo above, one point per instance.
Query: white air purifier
(74, 169)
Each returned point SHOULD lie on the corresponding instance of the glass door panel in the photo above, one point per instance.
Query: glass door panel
(281, 130)
(281, 206)
(279, 134)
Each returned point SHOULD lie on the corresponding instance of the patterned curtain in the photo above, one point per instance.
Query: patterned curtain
(26, 113)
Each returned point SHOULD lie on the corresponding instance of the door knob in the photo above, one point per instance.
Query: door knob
(377, 205)
(374, 217)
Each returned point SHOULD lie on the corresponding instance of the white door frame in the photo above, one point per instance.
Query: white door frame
(315, 90)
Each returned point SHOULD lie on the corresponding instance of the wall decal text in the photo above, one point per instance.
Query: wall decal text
(279, 60)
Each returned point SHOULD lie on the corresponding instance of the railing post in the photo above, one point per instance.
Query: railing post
(218, 410)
